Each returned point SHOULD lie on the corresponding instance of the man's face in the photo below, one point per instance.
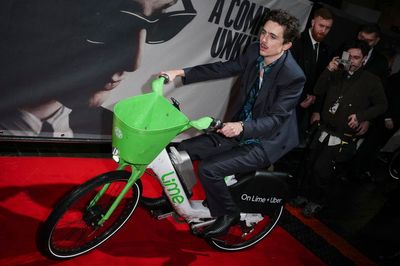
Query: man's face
(271, 41)
(320, 27)
(356, 59)
(371, 38)
(113, 48)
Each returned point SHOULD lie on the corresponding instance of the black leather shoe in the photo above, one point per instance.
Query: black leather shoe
(154, 203)
(221, 225)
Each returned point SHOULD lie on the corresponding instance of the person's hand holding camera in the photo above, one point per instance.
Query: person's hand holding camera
(333, 64)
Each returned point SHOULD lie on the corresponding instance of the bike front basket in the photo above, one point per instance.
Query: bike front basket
(144, 125)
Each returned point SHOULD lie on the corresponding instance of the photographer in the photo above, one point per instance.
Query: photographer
(353, 96)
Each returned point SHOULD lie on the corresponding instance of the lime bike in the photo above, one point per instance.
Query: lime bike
(143, 128)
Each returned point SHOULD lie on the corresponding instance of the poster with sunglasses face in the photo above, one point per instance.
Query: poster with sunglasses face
(69, 62)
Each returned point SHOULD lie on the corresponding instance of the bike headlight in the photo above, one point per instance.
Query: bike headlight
(115, 155)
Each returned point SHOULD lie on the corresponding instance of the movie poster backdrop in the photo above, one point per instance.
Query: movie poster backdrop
(67, 62)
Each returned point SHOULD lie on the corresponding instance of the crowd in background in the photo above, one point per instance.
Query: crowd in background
(348, 108)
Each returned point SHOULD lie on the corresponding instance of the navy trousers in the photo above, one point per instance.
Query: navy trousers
(219, 157)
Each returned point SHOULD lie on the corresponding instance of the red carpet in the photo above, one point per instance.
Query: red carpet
(30, 186)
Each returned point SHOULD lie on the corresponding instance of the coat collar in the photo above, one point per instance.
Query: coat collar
(269, 80)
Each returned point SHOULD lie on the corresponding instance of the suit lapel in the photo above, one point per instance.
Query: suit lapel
(370, 59)
(267, 90)
(253, 77)
(244, 92)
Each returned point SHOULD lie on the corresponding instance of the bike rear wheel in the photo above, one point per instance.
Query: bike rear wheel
(247, 234)
(72, 228)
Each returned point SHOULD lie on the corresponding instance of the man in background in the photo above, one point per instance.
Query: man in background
(352, 96)
(376, 63)
(313, 55)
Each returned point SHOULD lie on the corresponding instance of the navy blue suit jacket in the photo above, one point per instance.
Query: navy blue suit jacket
(274, 117)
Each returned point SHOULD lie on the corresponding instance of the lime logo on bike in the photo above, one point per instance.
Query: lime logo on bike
(172, 188)
(118, 132)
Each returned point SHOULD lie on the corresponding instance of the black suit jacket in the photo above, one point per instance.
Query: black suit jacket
(378, 65)
(302, 51)
(393, 96)
(274, 117)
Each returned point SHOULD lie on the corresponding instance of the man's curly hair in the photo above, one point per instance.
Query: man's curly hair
(291, 24)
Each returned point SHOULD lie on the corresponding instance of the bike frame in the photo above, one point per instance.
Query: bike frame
(192, 211)
(137, 172)
(162, 167)
(141, 140)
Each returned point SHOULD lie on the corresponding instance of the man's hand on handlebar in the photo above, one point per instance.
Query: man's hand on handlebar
(231, 129)
(172, 74)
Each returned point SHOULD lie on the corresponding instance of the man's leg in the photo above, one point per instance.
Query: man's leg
(213, 169)
(219, 161)
(221, 157)
(198, 147)
(304, 173)
(322, 172)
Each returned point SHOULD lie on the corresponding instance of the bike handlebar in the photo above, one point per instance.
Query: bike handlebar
(215, 124)
(205, 123)
(166, 78)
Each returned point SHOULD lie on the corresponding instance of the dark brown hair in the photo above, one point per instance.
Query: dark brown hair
(370, 28)
(357, 44)
(324, 13)
(290, 23)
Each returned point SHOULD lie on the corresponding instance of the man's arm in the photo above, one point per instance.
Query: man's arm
(215, 70)
(220, 70)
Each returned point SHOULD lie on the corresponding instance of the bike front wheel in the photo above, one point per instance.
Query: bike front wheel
(249, 232)
(72, 228)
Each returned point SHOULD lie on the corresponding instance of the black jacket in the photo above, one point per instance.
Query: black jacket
(302, 51)
(361, 94)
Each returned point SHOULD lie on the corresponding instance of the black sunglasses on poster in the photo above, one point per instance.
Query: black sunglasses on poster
(159, 28)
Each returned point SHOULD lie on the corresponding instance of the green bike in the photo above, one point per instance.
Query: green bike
(143, 127)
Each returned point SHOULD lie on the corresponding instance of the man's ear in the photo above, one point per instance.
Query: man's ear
(286, 46)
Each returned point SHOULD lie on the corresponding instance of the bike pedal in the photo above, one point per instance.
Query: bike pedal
(160, 214)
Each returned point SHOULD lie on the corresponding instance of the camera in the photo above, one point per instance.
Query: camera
(344, 61)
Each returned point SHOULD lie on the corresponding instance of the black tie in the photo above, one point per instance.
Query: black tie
(47, 130)
(315, 52)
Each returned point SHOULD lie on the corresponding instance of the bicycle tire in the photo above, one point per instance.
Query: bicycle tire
(243, 236)
(72, 230)
(394, 165)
